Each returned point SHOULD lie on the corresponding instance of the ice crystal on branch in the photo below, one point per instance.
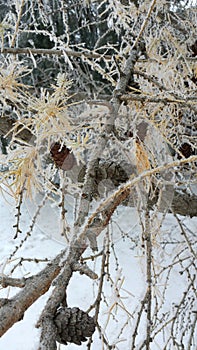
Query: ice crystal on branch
(98, 127)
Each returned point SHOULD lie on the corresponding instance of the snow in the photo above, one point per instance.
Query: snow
(45, 242)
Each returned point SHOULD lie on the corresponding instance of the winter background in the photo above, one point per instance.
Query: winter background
(127, 269)
(130, 271)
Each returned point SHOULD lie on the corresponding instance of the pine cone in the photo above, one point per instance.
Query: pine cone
(186, 150)
(62, 156)
(115, 173)
(73, 325)
(193, 48)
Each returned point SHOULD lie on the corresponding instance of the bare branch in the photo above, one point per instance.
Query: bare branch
(157, 99)
(34, 287)
(185, 236)
(6, 281)
(152, 5)
(72, 53)
(84, 269)
(68, 52)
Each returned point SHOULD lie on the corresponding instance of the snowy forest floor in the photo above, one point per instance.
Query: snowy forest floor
(127, 270)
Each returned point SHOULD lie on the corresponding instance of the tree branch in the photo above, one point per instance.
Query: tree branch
(157, 99)
(6, 281)
(35, 286)
(69, 52)
(101, 143)
(152, 5)
(78, 245)
(108, 206)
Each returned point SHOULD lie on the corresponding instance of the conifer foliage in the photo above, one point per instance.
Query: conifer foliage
(98, 109)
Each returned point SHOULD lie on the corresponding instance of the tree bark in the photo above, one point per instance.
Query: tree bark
(13, 309)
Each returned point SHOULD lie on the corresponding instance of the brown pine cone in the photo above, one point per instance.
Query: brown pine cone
(186, 150)
(62, 156)
(73, 325)
(193, 48)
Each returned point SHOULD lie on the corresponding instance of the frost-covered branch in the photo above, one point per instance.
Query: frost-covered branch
(72, 53)
(165, 100)
(83, 139)
(102, 140)
(50, 52)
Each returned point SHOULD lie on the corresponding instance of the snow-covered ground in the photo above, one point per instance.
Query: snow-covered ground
(45, 243)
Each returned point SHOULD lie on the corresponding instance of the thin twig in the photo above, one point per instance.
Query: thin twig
(185, 236)
(31, 227)
(145, 22)
(139, 316)
(148, 243)
(18, 215)
(17, 24)
(157, 99)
